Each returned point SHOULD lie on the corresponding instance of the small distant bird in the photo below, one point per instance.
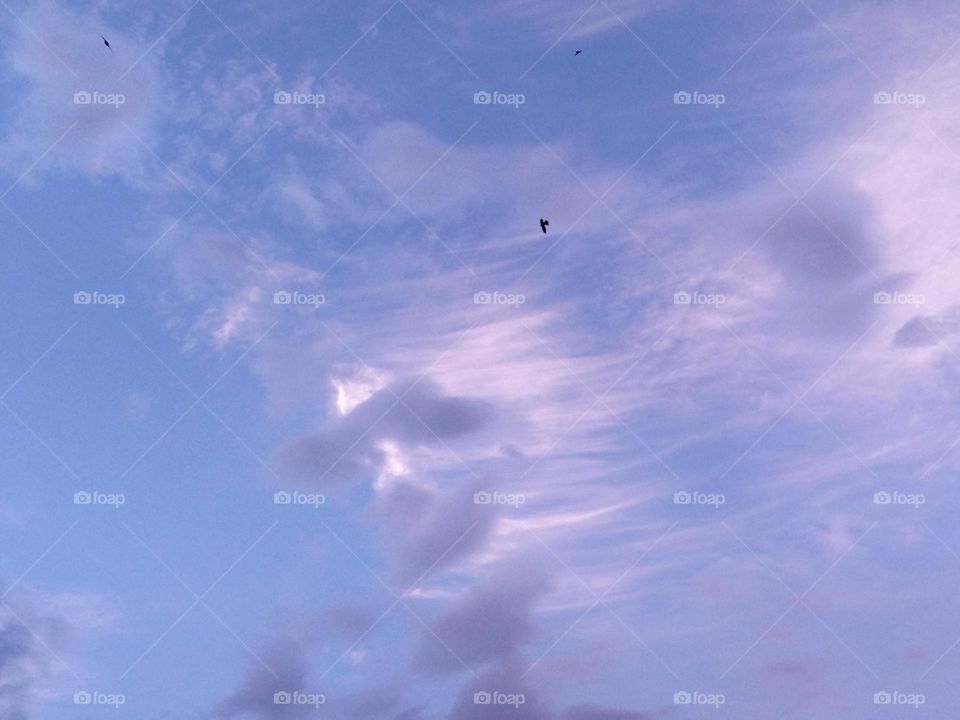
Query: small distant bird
(543, 225)
(577, 52)
(106, 43)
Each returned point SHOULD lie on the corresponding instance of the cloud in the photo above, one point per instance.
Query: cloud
(348, 620)
(101, 137)
(503, 678)
(285, 668)
(928, 331)
(432, 532)
(39, 635)
(414, 713)
(25, 665)
(490, 622)
(822, 255)
(410, 412)
(592, 712)
(580, 19)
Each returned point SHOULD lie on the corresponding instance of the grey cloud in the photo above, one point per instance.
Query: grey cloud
(20, 662)
(489, 623)
(379, 702)
(505, 677)
(414, 713)
(350, 621)
(98, 142)
(346, 450)
(27, 663)
(926, 331)
(289, 662)
(592, 712)
(447, 528)
(823, 257)
(562, 20)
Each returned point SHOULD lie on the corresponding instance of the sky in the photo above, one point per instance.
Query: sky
(303, 415)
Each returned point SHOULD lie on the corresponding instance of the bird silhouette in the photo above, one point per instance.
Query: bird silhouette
(543, 225)
(577, 52)
(106, 43)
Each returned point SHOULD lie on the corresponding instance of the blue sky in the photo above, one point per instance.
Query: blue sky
(303, 415)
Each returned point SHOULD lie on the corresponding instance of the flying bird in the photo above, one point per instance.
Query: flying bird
(106, 43)
(543, 225)
(577, 52)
